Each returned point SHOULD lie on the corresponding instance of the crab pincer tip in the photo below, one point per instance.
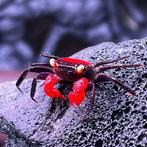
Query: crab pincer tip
(62, 96)
(131, 94)
(20, 90)
(142, 65)
(35, 101)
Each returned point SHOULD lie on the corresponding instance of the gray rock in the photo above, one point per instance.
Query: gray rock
(117, 119)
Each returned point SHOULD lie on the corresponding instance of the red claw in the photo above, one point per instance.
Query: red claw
(49, 87)
(77, 96)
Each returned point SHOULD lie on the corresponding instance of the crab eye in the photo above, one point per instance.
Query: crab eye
(52, 62)
(80, 68)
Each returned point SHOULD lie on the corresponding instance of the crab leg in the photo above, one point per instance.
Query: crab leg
(37, 69)
(103, 78)
(49, 56)
(3, 138)
(77, 95)
(104, 68)
(41, 76)
(40, 64)
(85, 117)
(92, 97)
(110, 61)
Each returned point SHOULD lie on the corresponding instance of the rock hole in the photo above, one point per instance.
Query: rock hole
(145, 126)
(127, 110)
(138, 145)
(113, 124)
(145, 116)
(139, 80)
(143, 108)
(99, 143)
(116, 114)
(142, 137)
(83, 133)
(117, 142)
(115, 88)
(144, 75)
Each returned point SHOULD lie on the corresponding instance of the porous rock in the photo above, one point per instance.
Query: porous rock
(117, 119)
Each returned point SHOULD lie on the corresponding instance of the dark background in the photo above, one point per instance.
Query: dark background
(63, 27)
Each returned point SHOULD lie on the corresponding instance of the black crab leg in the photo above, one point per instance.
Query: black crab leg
(41, 76)
(49, 56)
(3, 138)
(40, 64)
(104, 68)
(45, 64)
(110, 61)
(37, 69)
(92, 96)
(103, 78)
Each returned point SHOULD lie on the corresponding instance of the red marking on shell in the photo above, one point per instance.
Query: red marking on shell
(76, 61)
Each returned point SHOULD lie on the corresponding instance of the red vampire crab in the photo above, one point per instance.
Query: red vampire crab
(80, 73)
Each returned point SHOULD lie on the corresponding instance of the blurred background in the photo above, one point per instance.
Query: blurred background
(63, 27)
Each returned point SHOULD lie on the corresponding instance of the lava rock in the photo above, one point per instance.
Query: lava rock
(117, 119)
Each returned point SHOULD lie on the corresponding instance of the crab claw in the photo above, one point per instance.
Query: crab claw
(76, 98)
(49, 87)
(77, 95)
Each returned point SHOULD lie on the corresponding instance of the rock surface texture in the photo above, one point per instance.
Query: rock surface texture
(117, 119)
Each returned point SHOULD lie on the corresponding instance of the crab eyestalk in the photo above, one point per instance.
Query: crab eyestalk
(80, 69)
(52, 62)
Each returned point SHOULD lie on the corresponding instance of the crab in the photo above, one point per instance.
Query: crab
(80, 73)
